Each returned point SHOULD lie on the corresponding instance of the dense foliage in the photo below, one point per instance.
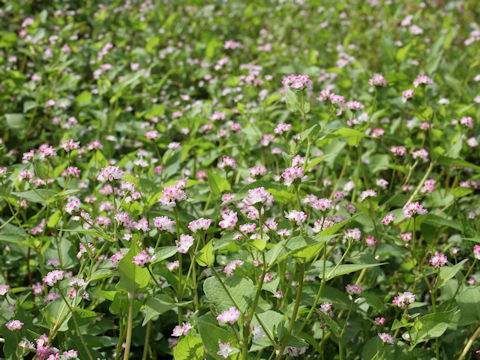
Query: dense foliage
(169, 188)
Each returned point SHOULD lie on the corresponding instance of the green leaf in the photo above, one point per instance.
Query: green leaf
(469, 305)
(371, 348)
(164, 253)
(305, 247)
(15, 239)
(156, 306)
(84, 97)
(241, 289)
(132, 277)
(206, 256)
(258, 244)
(444, 160)
(15, 121)
(343, 269)
(436, 220)
(332, 230)
(189, 348)
(448, 272)
(346, 133)
(211, 48)
(29, 105)
(36, 196)
(54, 219)
(217, 183)
(315, 161)
(430, 326)
(461, 192)
(292, 100)
(211, 334)
(403, 52)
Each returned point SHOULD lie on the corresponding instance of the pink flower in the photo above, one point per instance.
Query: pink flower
(227, 163)
(50, 103)
(199, 225)
(292, 175)
(141, 259)
(321, 224)
(26, 175)
(163, 223)
(297, 217)
(115, 259)
(110, 173)
(173, 265)
(298, 82)
(355, 105)
(382, 183)
(406, 236)
(412, 209)
(53, 277)
(403, 299)
(229, 220)
(326, 308)
(73, 206)
(407, 94)
(378, 132)
(181, 330)
(230, 268)
(14, 325)
(422, 154)
(69, 145)
(467, 121)
(43, 349)
(387, 220)
(231, 316)
(429, 186)
(248, 228)
(438, 260)
(354, 234)
(70, 354)
(476, 252)
(354, 289)
(258, 196)
(257, 171)
(172, 194)
(123, 218)
(398, 150)
(422, 80)
(282, 128)
(378, 80)
(224, 349)
(323, 205)
(387, 338)
(380, 321)
(186, 241)
(368, 193)
(370, 241)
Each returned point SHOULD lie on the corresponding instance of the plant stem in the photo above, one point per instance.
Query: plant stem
(76, 325)
(147, 340)
(246, 329)
(469, 344)
(301, 270)
(129, 326)
(319, 293)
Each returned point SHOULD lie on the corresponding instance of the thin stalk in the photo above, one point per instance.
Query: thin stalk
(301, 271)
(129, 326)
(77, 329)
(246, 330)
(147, 340)
(469, 344)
